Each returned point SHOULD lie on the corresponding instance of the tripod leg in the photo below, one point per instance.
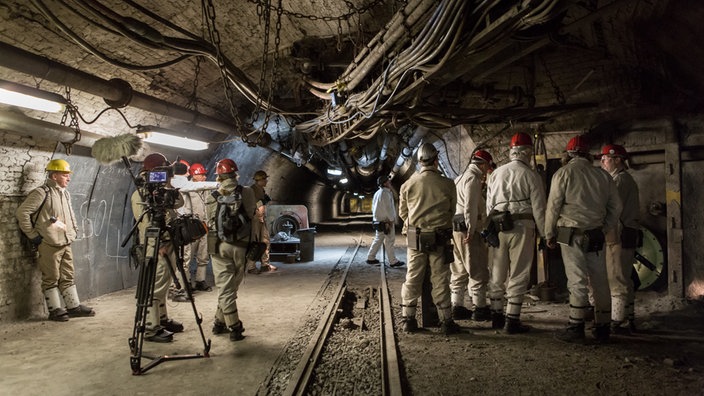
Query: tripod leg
(144, 296)
(189, 293)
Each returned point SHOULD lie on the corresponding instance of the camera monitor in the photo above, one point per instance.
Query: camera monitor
(158, 176)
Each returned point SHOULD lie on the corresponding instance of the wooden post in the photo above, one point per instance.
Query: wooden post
(673, 198)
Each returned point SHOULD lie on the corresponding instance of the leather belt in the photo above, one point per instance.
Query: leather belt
(522, 216)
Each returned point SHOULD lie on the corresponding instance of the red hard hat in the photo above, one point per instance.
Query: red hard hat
(578, 144)
(197, 169)
(154, 160)
(521, 139)
(614, 150)
(226, 166)
(482, 155)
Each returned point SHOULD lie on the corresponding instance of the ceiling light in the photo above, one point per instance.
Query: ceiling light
(31, 98)
(334, 172)
(165, 137)
(343, 180)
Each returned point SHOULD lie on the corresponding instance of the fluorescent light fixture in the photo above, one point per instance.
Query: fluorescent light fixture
(343, 180)
(164, 137)
(31, 98)
(334, 172)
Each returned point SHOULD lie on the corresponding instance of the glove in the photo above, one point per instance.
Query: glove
(542, 244)
(37, 240)
(266, 199)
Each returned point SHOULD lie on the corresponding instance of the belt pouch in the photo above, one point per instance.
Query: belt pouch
(458, 223)
(564, 235)
(412, 238)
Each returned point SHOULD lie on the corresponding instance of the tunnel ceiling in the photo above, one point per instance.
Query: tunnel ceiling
(347, 83)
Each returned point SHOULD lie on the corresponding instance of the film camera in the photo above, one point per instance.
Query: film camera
(160, 196)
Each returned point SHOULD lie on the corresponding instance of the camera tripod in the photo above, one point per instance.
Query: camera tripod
(144, 296)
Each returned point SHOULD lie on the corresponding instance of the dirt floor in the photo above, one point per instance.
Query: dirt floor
(90, 356)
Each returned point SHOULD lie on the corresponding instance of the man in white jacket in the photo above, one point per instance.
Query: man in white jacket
(384, 212)
(470, 270)
(193, 193)
(517, 188)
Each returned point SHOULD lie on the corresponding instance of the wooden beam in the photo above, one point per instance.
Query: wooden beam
(673, 198)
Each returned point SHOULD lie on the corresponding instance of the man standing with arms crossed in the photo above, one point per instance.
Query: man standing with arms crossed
(471, 265)
(427, 203)
(47, 218)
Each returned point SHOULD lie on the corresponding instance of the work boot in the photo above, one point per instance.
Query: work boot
(498, 320)
(373, 262)
(202, 286)
(397, 264)
(180, 296)
(58, 315)
(236, 331)
(161, 335)
(410, 325)
(589, 313)
(514, 326)
(253, 271)
(268, 268)
(448, 326)
(80, 311)
(459, 312)
(481, 314)
(220, 327)
(618, 329)
(171, 325)
(601, 333)
(574, 333)
(632, 326)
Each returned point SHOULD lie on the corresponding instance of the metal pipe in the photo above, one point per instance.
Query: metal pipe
(19, 124)
(111, 91)
(407, 151)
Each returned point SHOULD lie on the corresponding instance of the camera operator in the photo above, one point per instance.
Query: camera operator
(230, 210)
(159, 328)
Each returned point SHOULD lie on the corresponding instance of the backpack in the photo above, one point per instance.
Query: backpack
(24, 240)
(231, 223)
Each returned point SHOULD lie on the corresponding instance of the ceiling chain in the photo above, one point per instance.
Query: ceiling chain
(215, 39)
(71, 110)
(193, 99)
(556, 89)
(298, 15)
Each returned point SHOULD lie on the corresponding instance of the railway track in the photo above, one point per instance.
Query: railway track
(347, 345)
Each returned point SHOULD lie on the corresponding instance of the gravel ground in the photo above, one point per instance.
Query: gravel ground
(666, 356)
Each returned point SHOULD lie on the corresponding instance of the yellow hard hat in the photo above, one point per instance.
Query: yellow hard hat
(58, 165)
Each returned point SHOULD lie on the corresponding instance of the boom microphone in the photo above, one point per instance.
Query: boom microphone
(111, 149)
